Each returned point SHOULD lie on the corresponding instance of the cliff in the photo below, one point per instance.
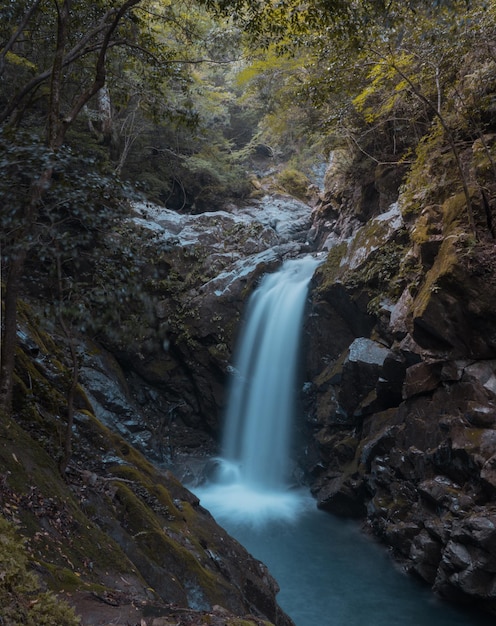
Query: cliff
(402, 362)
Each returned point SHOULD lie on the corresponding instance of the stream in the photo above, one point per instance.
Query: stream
(329, 572)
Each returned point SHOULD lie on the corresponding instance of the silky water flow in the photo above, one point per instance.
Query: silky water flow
(329, 573)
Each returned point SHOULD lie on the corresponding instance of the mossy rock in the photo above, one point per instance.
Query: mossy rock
(444, 266)
(332, 269)
(294, 182)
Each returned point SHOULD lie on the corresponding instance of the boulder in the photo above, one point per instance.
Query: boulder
(425, 556)
(341, 495)
(454, 309)
(421, 378)
(360, 373)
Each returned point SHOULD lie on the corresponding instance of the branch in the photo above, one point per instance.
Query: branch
(77, 52)
(15, 36)
(63, 16)
(449, 137)
(100, 73)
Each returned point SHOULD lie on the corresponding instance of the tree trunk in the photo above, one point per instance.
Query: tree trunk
(9, 335)
(12, 289)
(70, 395)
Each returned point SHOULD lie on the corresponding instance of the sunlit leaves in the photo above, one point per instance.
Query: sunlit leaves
(383, 77)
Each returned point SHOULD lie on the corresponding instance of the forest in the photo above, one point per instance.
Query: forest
(105, 105)
(90, 94)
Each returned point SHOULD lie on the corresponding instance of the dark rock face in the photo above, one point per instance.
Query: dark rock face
(402, 388)
(199, 271)
(421, 473)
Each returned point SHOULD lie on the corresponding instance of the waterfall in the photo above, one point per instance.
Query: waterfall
(252, 478)
(318, 560)
(261, 404)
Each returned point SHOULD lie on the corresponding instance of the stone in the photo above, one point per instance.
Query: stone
(440, 491)
(422, 378)
(360, 373)
(425, 556)
(398, 321)
(488, 473)
(343, 496)
(484, 372)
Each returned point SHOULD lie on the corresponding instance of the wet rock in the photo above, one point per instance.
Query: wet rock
(421, 378)
(360, 373)
(453, 310)
(398, 321)
(400, 536)
(484, 372)
(379, 444)
(208, 264)
(106, 389)
(425, 556)
(341, 496)
(439, 491)
(488, 473)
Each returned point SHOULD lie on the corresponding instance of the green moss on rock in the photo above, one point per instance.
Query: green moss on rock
(331, 270)
(22, 601)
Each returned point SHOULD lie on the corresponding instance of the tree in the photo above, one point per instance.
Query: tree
(62, 62)
(71, 45)
(376, 75)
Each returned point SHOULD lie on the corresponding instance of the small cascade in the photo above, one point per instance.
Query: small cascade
(253, 475)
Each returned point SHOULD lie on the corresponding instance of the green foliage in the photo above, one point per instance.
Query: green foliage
(383, 77)
(22, 602)
(80, 254)
(294, 182)
(371, 75)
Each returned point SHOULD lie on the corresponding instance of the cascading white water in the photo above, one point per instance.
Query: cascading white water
(253, 479)
(261, 405)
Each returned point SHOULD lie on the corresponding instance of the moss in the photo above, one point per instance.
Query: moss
(454, 210)
(34, 384)
(376, 262)
(64, 579)
(159, 547)
(245, 622)
(134, 514)
(483, 153)
(155, 495)
(294, 182)
(160, 368)
(219, 352)
(423, 186)
(21, 600)
(36, 496)
(330, 372)
(427, 225)
(444, 264)
(330, 271)
(472, 438)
